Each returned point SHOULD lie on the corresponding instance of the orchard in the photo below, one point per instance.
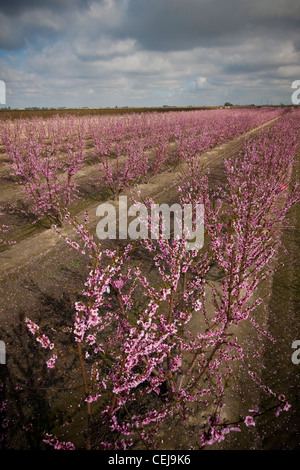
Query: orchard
(146, 347)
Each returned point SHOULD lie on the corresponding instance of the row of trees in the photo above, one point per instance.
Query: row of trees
(44, 156)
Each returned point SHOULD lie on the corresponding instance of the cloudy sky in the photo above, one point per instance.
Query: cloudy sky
(100, 53)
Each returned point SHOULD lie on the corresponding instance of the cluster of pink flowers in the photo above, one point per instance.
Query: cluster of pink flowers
(58, 445)
(51, 362)
(3, 230)
(40, 337)
(43, 340)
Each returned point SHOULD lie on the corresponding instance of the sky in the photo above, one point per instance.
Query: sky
(107, 53)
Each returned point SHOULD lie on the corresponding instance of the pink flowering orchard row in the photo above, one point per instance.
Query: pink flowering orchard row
(142, 357)
(131, 147)
(45, 160)
(46, 155)
(3, 230)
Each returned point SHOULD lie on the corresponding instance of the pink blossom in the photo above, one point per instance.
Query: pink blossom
(249, 421)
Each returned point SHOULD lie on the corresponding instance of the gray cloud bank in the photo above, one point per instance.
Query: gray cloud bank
(148, 52)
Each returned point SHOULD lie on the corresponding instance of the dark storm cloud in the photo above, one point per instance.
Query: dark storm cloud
(181, 25)
(159, 25)
(22, 21)
(15, 7)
